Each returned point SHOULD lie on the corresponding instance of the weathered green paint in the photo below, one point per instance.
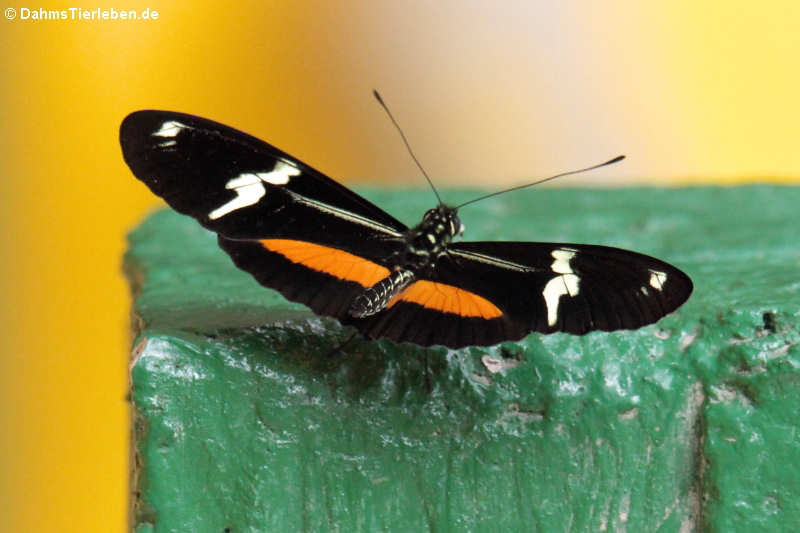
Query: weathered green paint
(242, 422)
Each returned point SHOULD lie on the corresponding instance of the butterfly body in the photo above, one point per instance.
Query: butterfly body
(429, 240)
(318, 243)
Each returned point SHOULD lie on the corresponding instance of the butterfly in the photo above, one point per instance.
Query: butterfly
(318, 243)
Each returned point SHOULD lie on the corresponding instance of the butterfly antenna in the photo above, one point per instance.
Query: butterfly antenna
(609, 162)
(405, 141)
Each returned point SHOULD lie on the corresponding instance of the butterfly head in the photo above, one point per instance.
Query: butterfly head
(443, 222)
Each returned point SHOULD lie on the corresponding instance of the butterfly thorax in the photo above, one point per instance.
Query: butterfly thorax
(425, 243)
(428, 240)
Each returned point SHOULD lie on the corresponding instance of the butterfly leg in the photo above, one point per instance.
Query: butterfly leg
(338, 349)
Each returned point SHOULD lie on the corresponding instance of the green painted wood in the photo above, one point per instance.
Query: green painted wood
(242, 423)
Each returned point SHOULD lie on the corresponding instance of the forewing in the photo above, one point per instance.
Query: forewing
(575, 288)
(482, 293)
(244, 188)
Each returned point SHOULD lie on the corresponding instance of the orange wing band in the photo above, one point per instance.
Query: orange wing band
(346, 266)
(331, 261)
(448, 299)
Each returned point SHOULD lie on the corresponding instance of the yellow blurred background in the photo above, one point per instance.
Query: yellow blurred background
(489, 93)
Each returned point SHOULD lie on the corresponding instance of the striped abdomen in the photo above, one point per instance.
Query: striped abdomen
(376, 298)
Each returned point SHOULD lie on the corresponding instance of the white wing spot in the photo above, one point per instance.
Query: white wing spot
(565, 284)
(250, 188)
(554, 290)
(657, 279)
(170, 129)
(281, 174)
(562, 258)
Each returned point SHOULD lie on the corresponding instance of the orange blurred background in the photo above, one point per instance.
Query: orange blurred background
(488, 95)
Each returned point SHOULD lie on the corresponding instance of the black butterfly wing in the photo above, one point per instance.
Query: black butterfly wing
(290, 226)
(318, 243)
(324, 278)
(486, 292)
(243, 188)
